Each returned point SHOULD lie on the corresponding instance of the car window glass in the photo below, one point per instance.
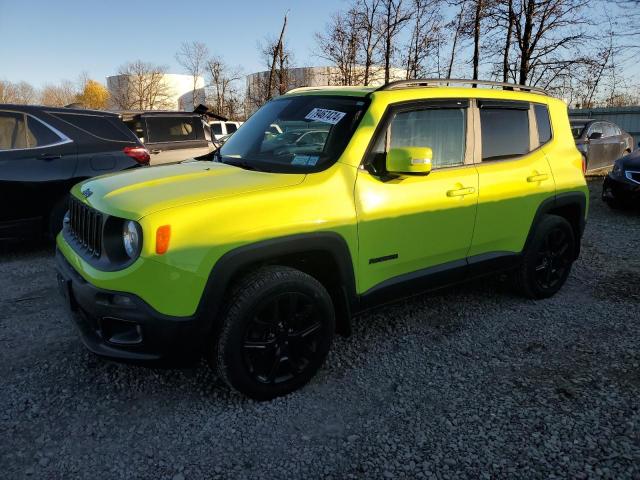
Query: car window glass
(609, 130)
(136, 126)
(105, 127)
(216, 128)
(170, 129)
(13, 133)
(596, 128)
(577, 129)
(331, 120)
(544, 125)
(505, 132)
(231, 127)
(441, 129)
(39, 135)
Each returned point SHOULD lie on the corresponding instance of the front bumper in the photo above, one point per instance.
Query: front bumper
(121, 325)
(621, 189)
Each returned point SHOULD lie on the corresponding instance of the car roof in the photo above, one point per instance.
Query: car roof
(45, 108)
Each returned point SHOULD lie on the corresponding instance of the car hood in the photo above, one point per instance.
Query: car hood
(141, 191)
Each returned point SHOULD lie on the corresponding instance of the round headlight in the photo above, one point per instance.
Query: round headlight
(131, 238)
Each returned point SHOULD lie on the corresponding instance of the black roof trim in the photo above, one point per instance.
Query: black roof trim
(45, 108)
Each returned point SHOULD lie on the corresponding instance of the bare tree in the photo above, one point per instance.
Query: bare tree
(340, 45)
(425, 37)
(458, 24)
(59, 95)
(279, 60)
(369, 11)
(479, 9)
(140, 85)
(224, 99)
(276, 80)
(543, 30)
(393, 17)
(20, 93)
(192, 56)
(507, 40)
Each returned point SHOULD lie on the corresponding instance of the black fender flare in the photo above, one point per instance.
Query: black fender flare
(244, 256)
(567, 199)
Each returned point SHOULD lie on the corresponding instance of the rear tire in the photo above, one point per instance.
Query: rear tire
(548, 258)
(275, 334)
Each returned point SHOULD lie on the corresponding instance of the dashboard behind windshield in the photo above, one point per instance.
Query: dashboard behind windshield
(297, 134)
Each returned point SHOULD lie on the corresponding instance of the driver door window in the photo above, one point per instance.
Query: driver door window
(443, 130)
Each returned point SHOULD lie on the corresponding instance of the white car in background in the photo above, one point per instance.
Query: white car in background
(220, 128)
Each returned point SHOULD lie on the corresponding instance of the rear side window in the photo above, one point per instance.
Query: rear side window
(39, 135)
(231, 127)
(216, 128)
(19, 131)
(106, 128)
(505, 130)
(170, 129)
(13, 134)
(544, 125)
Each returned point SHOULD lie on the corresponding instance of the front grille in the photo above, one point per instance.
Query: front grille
(85, 225)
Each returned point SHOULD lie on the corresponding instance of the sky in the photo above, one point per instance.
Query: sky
(45, 41)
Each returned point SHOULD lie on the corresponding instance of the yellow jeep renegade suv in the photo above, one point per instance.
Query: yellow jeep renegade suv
(257, 255)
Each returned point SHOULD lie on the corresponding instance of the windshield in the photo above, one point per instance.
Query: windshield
(295, 134)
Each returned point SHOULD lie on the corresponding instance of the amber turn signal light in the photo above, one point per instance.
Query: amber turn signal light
(163, 235)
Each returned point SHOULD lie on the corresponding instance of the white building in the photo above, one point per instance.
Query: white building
(172, 92)
(314, 77)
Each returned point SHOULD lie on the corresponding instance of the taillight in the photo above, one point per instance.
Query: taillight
(584, 165)
(139, 154)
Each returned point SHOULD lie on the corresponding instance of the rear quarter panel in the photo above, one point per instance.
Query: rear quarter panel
(563, 156)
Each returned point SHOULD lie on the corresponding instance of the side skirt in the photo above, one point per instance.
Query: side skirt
(437, 277)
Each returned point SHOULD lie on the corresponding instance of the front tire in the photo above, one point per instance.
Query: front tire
(276, 332)
(548, 259)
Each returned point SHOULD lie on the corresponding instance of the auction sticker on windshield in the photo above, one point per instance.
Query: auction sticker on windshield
(325, 116)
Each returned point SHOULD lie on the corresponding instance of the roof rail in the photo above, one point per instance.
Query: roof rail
(429, 82)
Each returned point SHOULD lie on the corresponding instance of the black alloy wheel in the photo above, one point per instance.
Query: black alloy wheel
(554, 258)
(275, 334)
(282, 338)
(547, 260)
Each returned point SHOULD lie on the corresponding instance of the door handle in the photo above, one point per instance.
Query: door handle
(155, 151)
(50, 156)
(461, 192)
(538, 178)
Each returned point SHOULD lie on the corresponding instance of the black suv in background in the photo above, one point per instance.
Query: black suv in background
(44, 151)
(170, 136)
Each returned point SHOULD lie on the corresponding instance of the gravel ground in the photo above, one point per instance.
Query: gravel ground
(468, 382)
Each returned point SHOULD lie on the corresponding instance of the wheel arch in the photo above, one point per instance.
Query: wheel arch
(323, 255)
(571, 206)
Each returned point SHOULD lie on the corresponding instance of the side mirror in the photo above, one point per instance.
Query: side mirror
(409, 160)
(595, 136)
